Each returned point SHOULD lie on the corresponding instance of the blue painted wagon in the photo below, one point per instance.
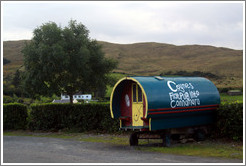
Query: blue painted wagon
(163, 105)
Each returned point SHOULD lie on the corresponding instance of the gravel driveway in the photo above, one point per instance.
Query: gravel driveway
(21, 149)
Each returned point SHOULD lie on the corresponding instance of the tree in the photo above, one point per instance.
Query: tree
(64, 60)
(17, 81)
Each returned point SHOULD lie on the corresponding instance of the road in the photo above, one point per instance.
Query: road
(22, 149)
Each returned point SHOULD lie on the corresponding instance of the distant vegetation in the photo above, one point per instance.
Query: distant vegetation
(223, 66)
(225, 98)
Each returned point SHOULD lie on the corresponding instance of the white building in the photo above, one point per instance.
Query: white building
(77, 96)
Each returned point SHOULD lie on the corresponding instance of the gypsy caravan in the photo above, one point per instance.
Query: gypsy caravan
(163, 105)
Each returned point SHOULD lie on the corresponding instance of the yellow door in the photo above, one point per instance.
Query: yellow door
(137, 105)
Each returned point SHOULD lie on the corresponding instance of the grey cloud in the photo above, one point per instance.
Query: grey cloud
(219, 24)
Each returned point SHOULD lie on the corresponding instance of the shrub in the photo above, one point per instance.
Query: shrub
(229, 121)
(79, 117)
(96, 117)
(7, 99)
(14, 116)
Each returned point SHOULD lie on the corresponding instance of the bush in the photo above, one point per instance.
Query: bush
(14, 116)
(96, 117)
(7, 99)
(229, 121)
(78, 117)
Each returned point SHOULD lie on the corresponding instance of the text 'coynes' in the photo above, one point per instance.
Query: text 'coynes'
(183, 95)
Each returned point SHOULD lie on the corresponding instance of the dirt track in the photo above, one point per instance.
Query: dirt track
(20, 149)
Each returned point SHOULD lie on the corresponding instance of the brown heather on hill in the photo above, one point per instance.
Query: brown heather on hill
(155, 58)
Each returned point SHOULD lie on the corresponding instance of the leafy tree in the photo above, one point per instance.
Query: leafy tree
(64, 60)
(17, 79)
(17, 82)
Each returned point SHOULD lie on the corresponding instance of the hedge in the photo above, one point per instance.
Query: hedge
(78, 117)
(96, 117)
(14, 116)
(229, 121)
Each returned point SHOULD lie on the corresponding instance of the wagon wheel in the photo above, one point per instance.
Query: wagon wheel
(166, 140)
(133, 139)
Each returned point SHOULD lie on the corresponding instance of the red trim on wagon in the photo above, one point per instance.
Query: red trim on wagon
(144, 119)
(180, 108)
(124, 118)
(169, 112)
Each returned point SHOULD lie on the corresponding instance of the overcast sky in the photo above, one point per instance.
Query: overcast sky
(180, 23)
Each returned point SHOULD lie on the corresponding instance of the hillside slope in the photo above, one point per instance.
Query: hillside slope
(12, 52)
(155, 58)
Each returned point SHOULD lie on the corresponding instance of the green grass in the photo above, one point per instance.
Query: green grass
(116, 140)
(225, 98)
(222, 149)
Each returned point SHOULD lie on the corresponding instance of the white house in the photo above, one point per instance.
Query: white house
(77, 96)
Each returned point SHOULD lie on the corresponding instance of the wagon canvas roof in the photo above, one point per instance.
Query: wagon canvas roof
(158, 91)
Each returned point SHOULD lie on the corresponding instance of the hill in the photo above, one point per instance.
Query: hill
(153, 58)
(156, 58)
(12, 52)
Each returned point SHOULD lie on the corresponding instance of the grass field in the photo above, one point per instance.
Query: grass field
(225, 98)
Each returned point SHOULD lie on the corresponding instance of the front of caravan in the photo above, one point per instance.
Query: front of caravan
(129, 103)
